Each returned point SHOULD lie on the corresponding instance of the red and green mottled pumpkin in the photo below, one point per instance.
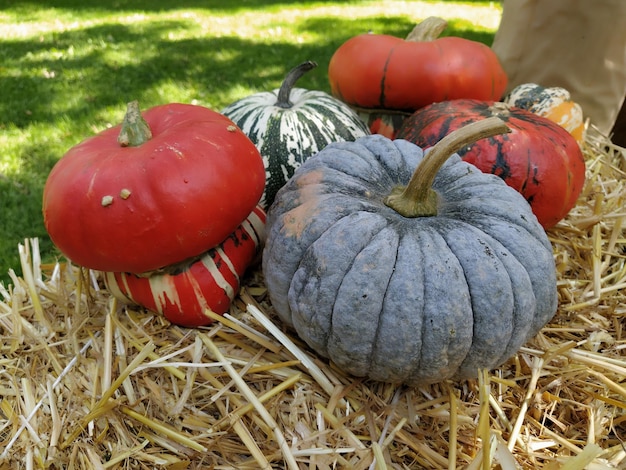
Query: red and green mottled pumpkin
(402, 270)
(185, 291)
(289, 125)
(538, 157)
(385, 123)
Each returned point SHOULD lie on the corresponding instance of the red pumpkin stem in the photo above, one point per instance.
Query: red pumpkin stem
(135, 130)
(418, 199)
(428, 30)
(284, 93)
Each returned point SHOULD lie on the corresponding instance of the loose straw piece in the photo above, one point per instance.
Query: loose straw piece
(241, 411)
(163, 429)
(580, 461)
(101, 406)
(124, 455)
(338, 425)
(246, 437)
(383, 434)
(484, 430)
(258, 406)
(453, 433)
(378, 456)
(55, 418)
(244, 331)
(108, 345)
(311, 367)
(39, 404)
(532, 386)
(29, 278)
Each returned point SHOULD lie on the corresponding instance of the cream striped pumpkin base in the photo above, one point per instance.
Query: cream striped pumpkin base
(210, 282)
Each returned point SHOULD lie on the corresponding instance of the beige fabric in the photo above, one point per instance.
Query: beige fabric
(579, 45)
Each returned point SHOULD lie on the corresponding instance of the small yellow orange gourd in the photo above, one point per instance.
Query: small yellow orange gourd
(553, 103)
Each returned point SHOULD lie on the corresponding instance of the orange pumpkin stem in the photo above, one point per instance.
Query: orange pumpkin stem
(428, 30)
(418, 199)
(135, 130)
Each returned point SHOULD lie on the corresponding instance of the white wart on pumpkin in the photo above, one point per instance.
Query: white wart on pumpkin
(288, 125)
(400, 297)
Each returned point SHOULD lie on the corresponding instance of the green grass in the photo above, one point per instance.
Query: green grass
(68, 68)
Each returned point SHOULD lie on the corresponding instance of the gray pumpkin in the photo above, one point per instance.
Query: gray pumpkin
(456, 284)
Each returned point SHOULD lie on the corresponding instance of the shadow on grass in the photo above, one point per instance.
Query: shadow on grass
(165, 5)
(68, 81)
(89, 74)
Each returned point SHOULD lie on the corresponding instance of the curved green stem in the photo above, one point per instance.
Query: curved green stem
(418, 199)
(292, 77)
(135, 130)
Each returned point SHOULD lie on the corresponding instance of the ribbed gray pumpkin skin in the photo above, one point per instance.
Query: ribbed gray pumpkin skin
(406, 300)
(286, 137)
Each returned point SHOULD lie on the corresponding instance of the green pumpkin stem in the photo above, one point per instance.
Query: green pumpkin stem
(284, 93)
(135, 130)
(418, 199)
(428, 30)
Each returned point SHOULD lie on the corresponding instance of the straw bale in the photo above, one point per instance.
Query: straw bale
(86, 382)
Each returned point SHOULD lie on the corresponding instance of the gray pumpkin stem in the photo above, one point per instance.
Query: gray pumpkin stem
(135, 130)
(284, 93)
(418, 199)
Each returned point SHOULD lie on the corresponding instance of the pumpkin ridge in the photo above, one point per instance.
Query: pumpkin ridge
(449, 355)
(308, 270)
(414, 373)
(318, 215)
(532, 262)
(522, 319)
(376, 339)
(470, 218)
(461, 358)
(335, 168)
(349, 167)
(362, 301)
(521, 308)
(408, 246)
(455, 205)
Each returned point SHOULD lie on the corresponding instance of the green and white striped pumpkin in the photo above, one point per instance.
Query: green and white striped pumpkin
(288, 125)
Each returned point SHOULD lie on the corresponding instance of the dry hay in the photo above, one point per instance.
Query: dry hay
(88, 383)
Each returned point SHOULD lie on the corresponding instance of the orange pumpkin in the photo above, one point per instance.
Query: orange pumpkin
(377, 71)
